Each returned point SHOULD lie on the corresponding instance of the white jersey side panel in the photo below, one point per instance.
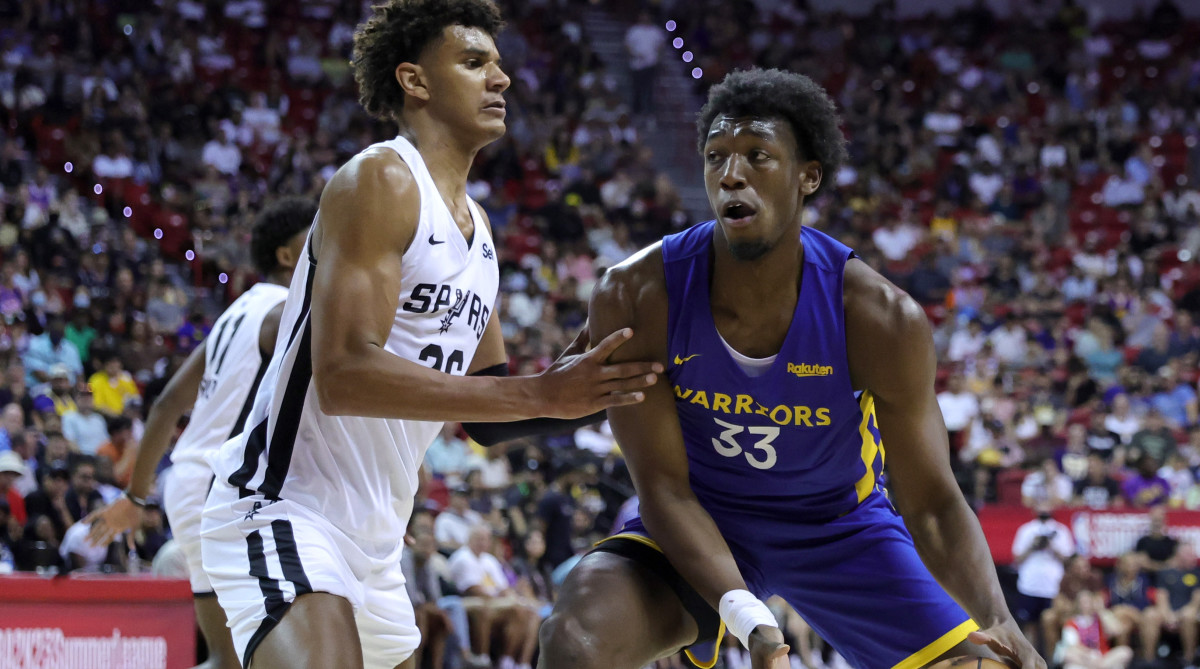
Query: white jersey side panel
(361, 473)
(233, 369)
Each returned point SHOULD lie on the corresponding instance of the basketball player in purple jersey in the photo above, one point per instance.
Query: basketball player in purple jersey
(758, 457)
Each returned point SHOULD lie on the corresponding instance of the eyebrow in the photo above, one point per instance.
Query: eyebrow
(482, 53)
(748, 130)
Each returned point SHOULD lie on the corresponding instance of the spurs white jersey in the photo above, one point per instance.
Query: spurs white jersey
(233, 368)
(361, 473)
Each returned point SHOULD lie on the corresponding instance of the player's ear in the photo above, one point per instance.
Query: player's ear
(285, 257)
(810, 177)
(411, 78)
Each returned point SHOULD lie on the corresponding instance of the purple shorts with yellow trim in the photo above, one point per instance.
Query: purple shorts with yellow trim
(856, 579)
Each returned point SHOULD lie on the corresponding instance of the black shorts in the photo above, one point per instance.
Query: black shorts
(708, 621)
(1030, 608)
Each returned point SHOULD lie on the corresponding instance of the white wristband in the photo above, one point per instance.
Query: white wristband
(742, 612)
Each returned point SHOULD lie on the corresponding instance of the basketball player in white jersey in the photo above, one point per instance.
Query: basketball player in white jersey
(218, 381)
(389, 329)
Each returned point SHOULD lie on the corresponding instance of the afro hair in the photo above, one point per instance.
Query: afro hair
(275, 226)
(397, 32)
(786, 95)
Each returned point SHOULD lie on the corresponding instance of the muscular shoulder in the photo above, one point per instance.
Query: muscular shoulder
(887, 332)
(871, 301)
(636, 285)
(375, 191)
(632, 294)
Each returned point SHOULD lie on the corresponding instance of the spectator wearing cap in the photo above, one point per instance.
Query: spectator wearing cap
(51, 501)
(47, 350)
(12, 467)
(120, 450)
(84, 427)
(59, 391)
(453, 526)
(112, 386)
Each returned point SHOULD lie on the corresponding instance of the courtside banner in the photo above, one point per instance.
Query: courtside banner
(96, 622)
(1103, 536)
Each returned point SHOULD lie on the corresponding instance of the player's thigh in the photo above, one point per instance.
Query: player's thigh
(870, 596)
(317, 632)
(265, 558)
(615, 613)
(387, 625)
(214, 626)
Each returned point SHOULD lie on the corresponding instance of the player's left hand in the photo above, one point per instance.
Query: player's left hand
(107, 523)
(1007, 641)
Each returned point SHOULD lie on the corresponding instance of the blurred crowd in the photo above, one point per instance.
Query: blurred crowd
(1031, 180)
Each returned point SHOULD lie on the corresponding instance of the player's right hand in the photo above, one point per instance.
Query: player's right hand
(112, 520)
(581, 383)
(767, 649)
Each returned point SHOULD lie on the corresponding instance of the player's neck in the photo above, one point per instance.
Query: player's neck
(771, 278)
(447, 156)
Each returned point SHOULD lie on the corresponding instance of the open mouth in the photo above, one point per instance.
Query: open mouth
(738, 212)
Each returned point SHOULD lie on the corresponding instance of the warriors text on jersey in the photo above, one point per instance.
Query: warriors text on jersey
(233, 368)
(361, 473)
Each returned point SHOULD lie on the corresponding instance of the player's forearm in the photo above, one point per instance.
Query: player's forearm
(160, 425)
(692, 543)
(951, 544)
(377, 384)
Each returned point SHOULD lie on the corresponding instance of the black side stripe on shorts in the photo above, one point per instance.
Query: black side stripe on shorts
(289, 556)
(287, 424)
(240, 424)
(273, 600)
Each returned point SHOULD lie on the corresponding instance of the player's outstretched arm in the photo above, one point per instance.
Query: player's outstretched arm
(368, 218)
(178, 395)
(633, 296)
(891, 353)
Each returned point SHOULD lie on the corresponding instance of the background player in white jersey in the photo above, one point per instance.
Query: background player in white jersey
(218, 381)
(390, 328)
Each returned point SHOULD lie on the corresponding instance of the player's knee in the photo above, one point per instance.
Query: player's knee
(566, 641)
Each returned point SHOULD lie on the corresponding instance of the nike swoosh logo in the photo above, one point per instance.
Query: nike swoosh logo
(680, 361)
(434, 242)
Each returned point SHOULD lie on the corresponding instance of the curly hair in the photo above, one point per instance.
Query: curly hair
(397, 32)
(787, 95)
(275, 226)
